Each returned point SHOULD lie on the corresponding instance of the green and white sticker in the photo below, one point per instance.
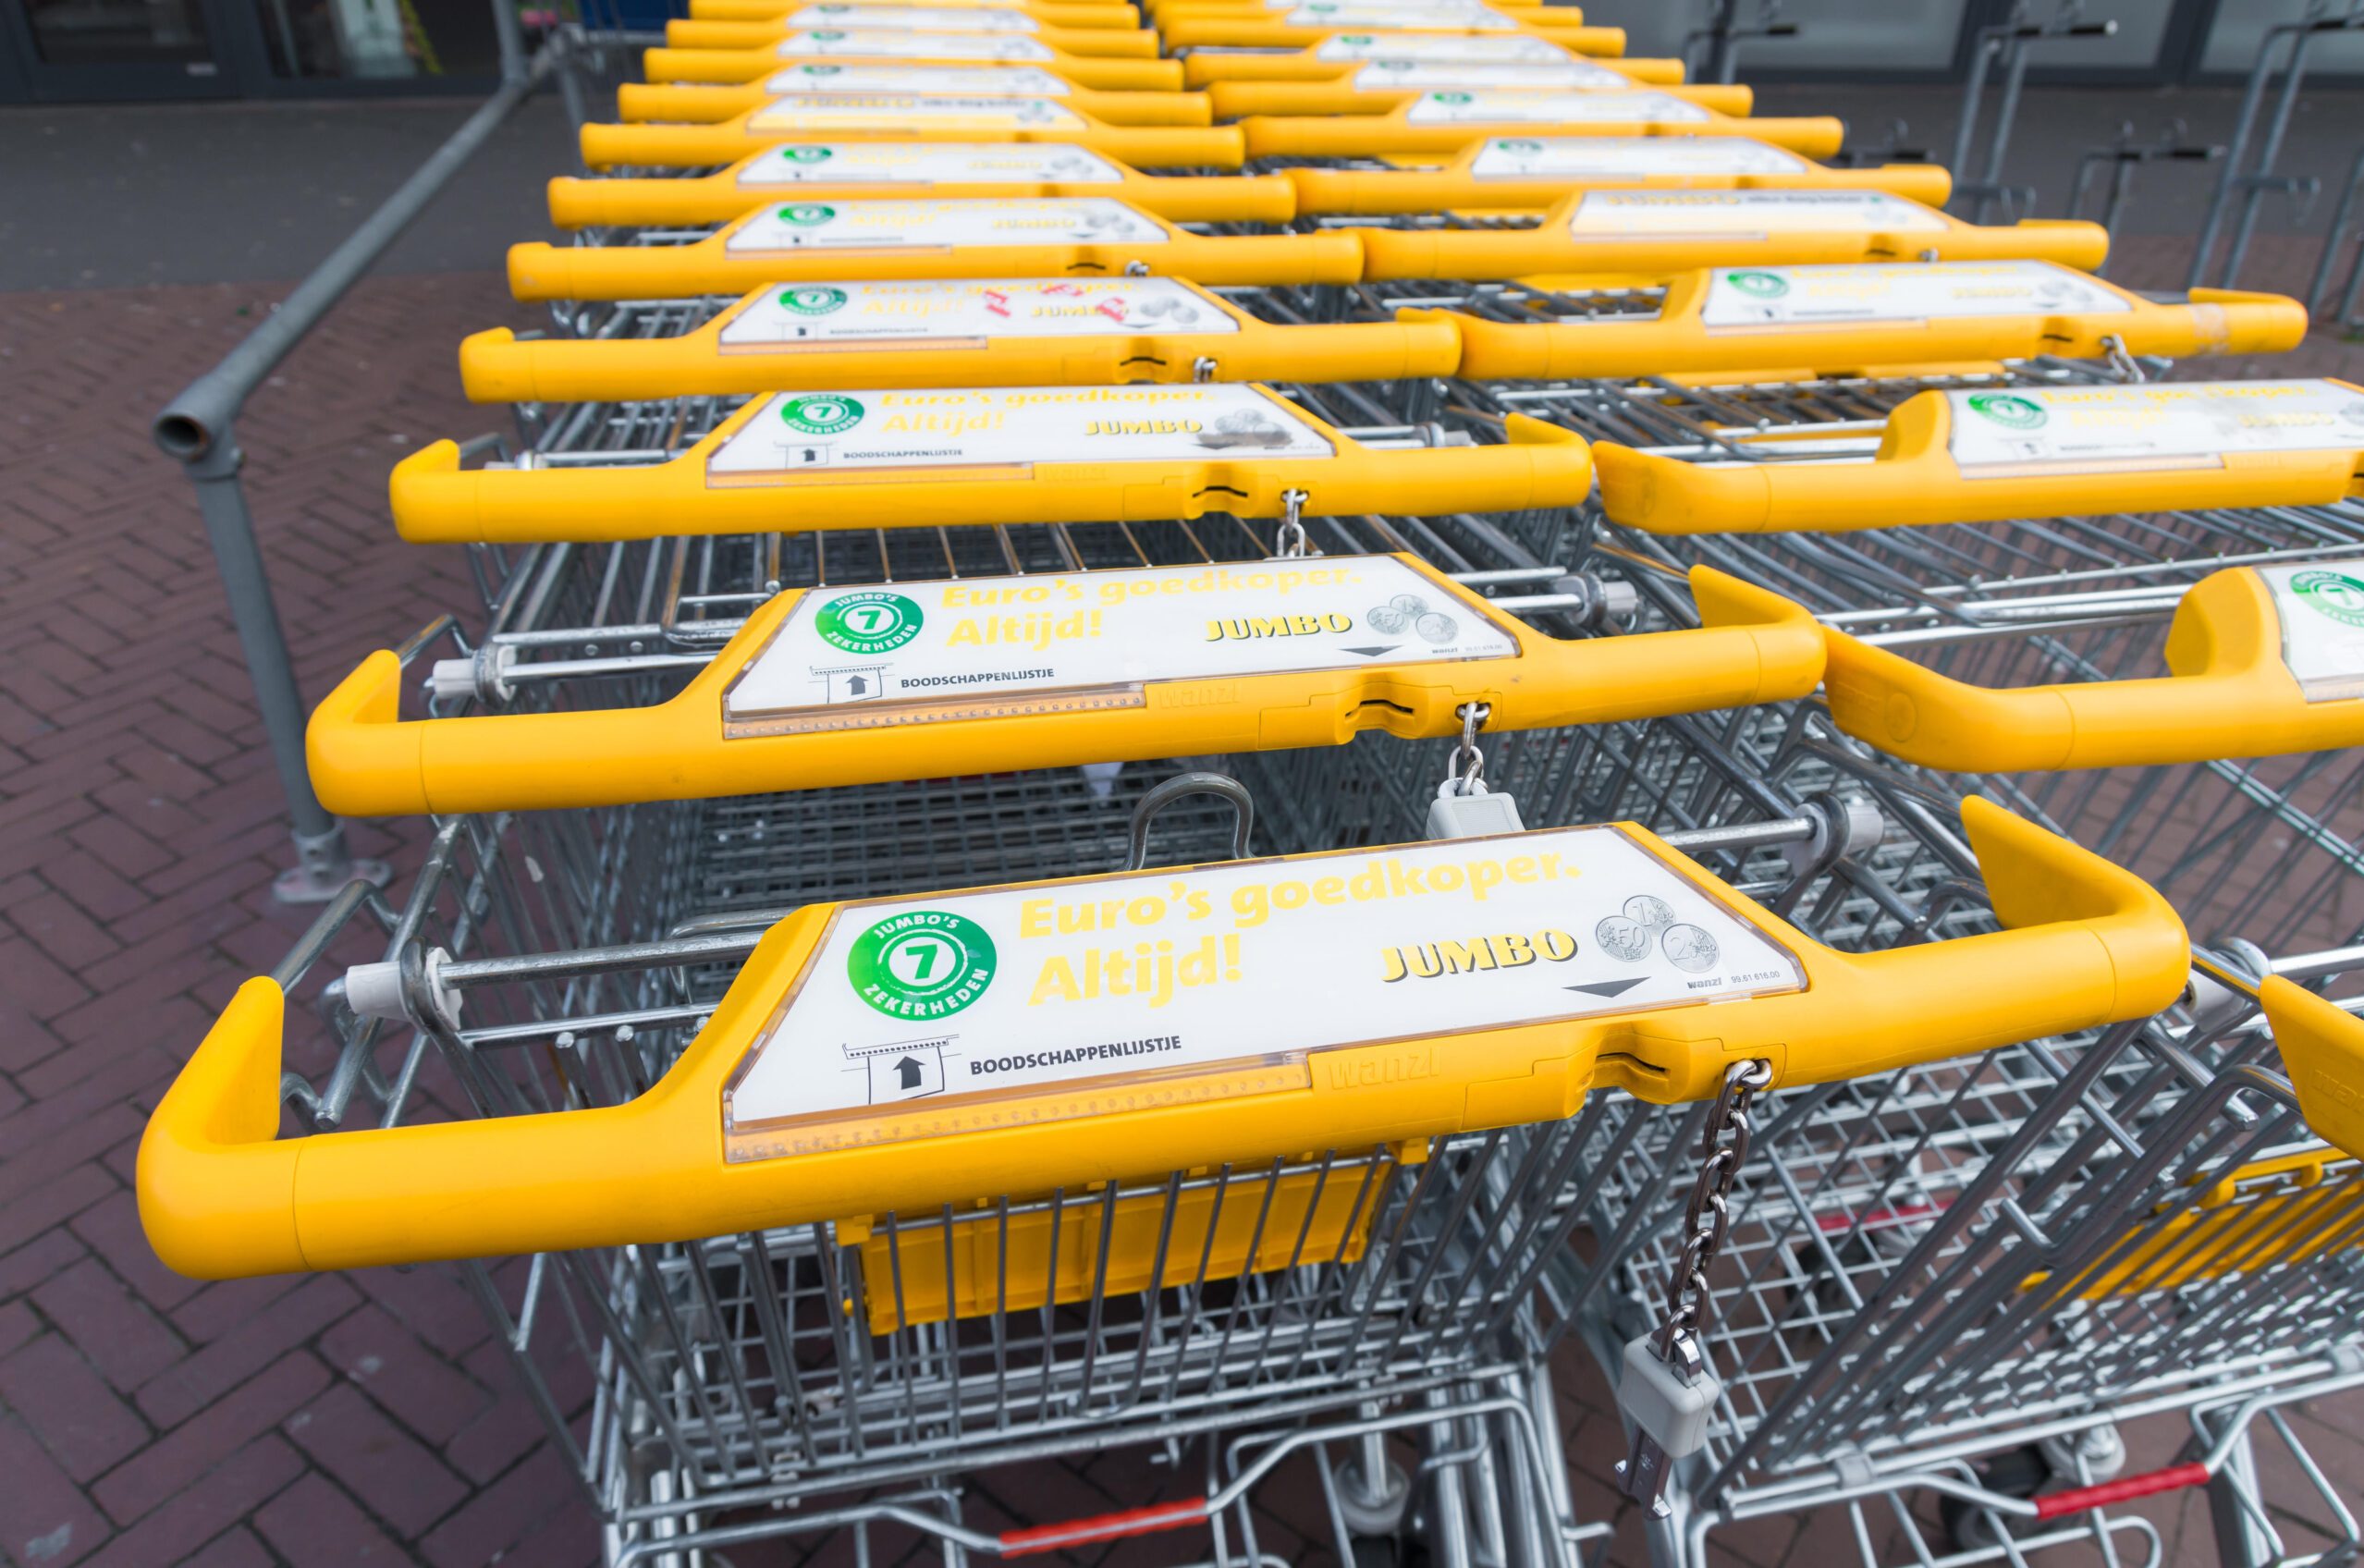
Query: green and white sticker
(1054, 220)
(1902, 291)
(932, 81)
(935, 1015)
(1511, 106)
(960, 310)
(914, 19)
(2172, 424)
(894, 43)
(1425, 18)
(1440, 46)
(928, 163)
(819, 113)
(1613, 157)
(1737, 215)
(1075, 642)
(1013, 425)
(2322, 608)
(1582, 76)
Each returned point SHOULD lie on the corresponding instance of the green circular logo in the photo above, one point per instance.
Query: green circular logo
(922, 963)
(1763, 285)
(808, 154)
(873, 622)
(2013, 412)
(1519, 147)
(813, 299)
(2334, 594)
(808, 214)
(1451, 97)
(825, 413)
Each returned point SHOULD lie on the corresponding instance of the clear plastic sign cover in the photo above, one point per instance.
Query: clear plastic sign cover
(1050, 220)
(929, 162)
(1526, 157)
(932, 81)
(878, 43)
(914, 19)
(1509, 106)
(956, 1012)
(1456, 18)
(805, 115)
(855, 658)
(1659, 214)
(1874, 291)
(1379, 76)
(2177, 424)
(2322, 606)
(950, 311)
(798, 432)
(1397, 8)
(1442, 46)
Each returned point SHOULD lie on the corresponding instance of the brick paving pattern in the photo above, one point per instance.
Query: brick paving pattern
(360, 1419)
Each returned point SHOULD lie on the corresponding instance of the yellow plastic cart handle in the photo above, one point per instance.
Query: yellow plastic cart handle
(1527, 172)
(897, 117)
(1837, 320)
(1304, 29)
(852, 171)
(2265, 661)
(822, 241)
(1272, 1028)
(2322, 1046)
(1252, 656)
(1367, 91)
(1629, 231)
(1447, 122)
(939, 27)
(732, 66)
(1077, 17)
(642, 103)
(1988, 457)
(1340, 56)
(802, 462)
(849, 335)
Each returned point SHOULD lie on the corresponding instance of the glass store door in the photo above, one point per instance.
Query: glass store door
(117, 49)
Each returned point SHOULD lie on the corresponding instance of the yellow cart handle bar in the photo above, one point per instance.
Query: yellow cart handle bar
(893, 118)
(1097, 42)
(679, 104)
(1356, 93)
(2321, 1047)
(1629, 231)
(2264, 661)
(1344, 54)
(731, 67)
(849, 335)
(1521, 171)
(823, 242)
(1327, 650)
(852, 171)
(802, 462)
(1078, 16)
(1278, 1032)
(1836, 320)
(1252, 32)
(1418, 127)
(1990, 457)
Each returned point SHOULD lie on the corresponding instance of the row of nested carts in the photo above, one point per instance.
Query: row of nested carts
(1201, 740)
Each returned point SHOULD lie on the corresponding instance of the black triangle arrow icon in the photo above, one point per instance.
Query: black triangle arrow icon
(1609, 987)
(856, 685)
(1373, 653)
(911, 1073)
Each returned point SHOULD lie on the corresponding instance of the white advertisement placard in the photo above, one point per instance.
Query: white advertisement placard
(878, 43)
(1509, 106)
(928, 163)
(2172, 424)
(1660, 214)
(1897, 291)
(1051, 220)
(2322, 606)
(815, 115)
(1582, 157)
(949, 310)
(931, 81)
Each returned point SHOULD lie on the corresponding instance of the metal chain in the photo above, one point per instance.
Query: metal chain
(1466, 776)
(1723, 1149)
(1292, 541)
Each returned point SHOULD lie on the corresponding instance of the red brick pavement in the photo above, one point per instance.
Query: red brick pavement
(340, 1419)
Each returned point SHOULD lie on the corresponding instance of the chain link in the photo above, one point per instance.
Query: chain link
(1707, 1218)
(1466, 774)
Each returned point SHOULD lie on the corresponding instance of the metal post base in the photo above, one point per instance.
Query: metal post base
(324, 869)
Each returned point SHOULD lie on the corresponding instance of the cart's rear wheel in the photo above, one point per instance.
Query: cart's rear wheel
(2016, 1472)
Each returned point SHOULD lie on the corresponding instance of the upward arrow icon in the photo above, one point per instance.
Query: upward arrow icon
(910, 1072)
